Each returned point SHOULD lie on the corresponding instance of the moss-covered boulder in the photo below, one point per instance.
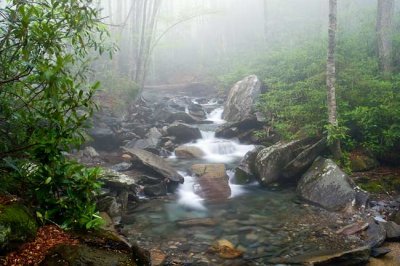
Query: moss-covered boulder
(362, 162)
(86, 255)
(17, 226)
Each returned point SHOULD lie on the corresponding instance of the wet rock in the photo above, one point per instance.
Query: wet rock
(197, 222)
(197, 111)
(379, 252)
(358, 256)
(362, 162)
(157, 257)
(375, 233)
(225, 249)
(389, 259)
(352, 229)
(104, 138)
(183, 132)
(121, 167)
(303, 161)
(87, 255)
(157, 190)
(241, 99)
(325, 184)
(182, 117)
(118, 181)
(110, 206)
(243, 130)
(17, 226)
(216, 170)
(271, 162)
(188, 152)
(213, 181)
(90, 152)
(245, 173)
(392, 230)
(155, 163)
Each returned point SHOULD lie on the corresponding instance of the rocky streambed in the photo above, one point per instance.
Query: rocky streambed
(194, 189)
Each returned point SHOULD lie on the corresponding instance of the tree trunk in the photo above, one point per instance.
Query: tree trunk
(384, 26)
(331, 76)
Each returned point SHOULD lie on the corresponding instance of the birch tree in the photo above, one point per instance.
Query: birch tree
(331, 78)
(384, 26)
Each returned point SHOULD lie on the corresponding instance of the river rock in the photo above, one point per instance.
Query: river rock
(156, 190)
(183, 132)
(325, 184)
(245, 172)
(241, 99)
(357, 256)
(392, 230)
(87, 255)
(90, 152)
(156, 164)
(213, 181)
(296, 167)
(243, 130)
(182, 117)
(375, 233)
(104, 138)
(188, 152)
(197, 111)
(271, 161)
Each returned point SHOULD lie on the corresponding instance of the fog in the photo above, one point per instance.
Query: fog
(188, 39)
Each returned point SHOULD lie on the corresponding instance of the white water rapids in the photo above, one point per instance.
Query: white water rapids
(216, 150)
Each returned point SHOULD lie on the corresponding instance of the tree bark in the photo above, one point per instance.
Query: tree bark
(331, 75)
(384, 27)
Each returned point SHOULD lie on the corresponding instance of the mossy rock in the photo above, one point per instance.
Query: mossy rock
(17, 226)
(362, 163)
(384, 184)
(80, 255)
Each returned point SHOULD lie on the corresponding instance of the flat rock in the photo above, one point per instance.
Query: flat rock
(188, 152)
(197, 222)
(155, 163)
(357, 256)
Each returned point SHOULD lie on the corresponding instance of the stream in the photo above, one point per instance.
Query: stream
(265, 223)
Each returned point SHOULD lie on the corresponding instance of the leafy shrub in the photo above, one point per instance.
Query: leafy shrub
(45, 100)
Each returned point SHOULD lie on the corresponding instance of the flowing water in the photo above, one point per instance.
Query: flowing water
(264, 223)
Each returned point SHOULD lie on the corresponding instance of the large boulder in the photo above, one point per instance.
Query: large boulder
(245, 172)
(243, 130)
(154, 164)
(241, 99)
(104, 138)
(188, 152)
(212, 181)
(286, 162)
(326, 185)
(183, 132)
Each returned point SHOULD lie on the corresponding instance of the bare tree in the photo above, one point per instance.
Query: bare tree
(331, 76)
(384, 26)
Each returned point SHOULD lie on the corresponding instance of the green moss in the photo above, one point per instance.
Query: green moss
(16, 225)
(382, 185)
